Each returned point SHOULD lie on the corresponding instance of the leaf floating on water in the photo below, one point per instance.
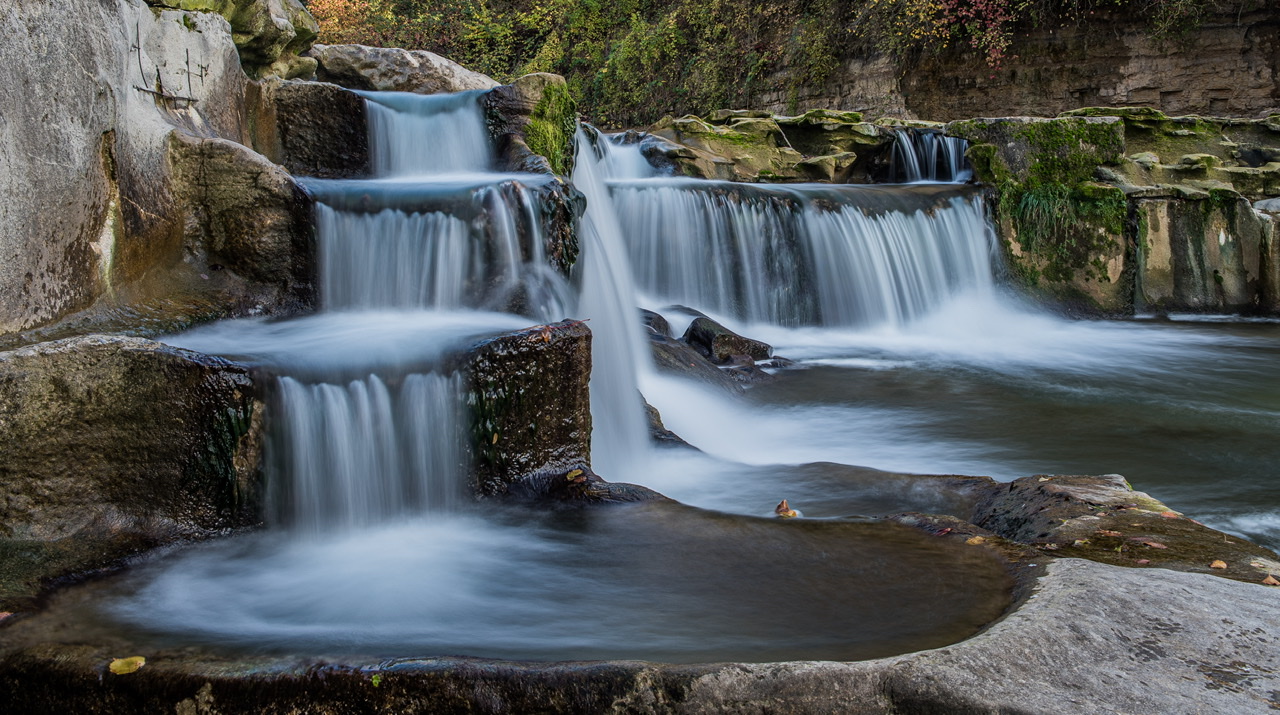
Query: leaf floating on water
(1271, 581)
(1218, 564)
(975, 540)
(124, 666)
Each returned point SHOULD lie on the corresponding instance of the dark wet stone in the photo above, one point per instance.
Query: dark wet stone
(655, 323)
(1101, 518)
(675, 357)
(310, 128)
(718, 343)
(658, 432)
(530, 405)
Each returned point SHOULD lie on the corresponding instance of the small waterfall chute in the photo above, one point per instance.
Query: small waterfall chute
(923, 155)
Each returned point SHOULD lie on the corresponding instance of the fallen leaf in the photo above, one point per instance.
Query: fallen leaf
(573, 474)
(1170, 514)
(1155, 544)
(495, 438)
(1108, 532)
(376, 679)
(5, 614)
(1051, 547)
(1080, 542)
(975, 540)
(1271, 581)
(945, 531)
(124, 666)
(1143, 561)
(1218, 564)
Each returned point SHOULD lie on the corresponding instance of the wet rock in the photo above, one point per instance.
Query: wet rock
(248, 216)
(1103, 519)
(311, 128)
(532, 122)
(655, 323)
(719, 344)
(580, 486)
(677, 358)
(385, 69)
(749, 374)
(530, 406)
(114, 443)
(658, 432)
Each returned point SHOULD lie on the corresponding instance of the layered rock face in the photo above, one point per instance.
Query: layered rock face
(386, 69)
(1115, 211)
(109, 218)
(1228, 66)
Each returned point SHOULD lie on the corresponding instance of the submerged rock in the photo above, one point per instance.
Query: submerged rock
(114, 444)
(385, 69)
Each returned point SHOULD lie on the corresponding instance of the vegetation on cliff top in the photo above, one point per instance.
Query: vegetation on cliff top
(631, 61)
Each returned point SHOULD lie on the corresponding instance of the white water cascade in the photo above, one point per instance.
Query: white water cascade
(372, 439)
(924, 155)
(620, 438)
(805, 255)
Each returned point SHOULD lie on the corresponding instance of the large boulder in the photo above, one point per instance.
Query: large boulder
(310, 128)
(719, 344)
(113, 444)
(385, 69)
(248, 216)
(270, 34)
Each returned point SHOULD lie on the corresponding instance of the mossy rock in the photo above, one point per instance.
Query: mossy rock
(269, 34)
(533, 121)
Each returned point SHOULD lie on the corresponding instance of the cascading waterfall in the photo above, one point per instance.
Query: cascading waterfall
(411, 134)
(430, 231)
(923, 155)
(359, 454)
(805, 255)
(619, 352)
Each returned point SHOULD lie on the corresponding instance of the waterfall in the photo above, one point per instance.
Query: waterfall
(619, 351)
(805, 255)
(426, 134)
(359, 454)
(371, 440)
(925, 155)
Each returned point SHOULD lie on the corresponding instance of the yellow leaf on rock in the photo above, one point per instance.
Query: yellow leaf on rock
(124, 666)
(1271, 581)
(1218, 564)
(975, 540)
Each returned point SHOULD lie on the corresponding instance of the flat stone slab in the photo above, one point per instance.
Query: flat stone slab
(1092, 638)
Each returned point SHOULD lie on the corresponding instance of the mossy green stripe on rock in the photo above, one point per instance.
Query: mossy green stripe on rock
(551, 127)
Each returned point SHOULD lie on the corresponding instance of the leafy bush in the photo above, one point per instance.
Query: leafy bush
(631, 61)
